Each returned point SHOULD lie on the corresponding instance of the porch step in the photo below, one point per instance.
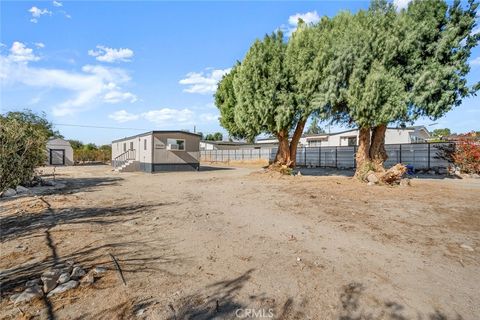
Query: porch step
(126, 167)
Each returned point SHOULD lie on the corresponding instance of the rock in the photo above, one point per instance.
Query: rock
(63, 287)
(370, 184)
(99, 270)
(77, 273)
(372, 177)
(9, 193)
(49, 279)
(64, 277)
(299, 259)
(405, 183)
(29, 294)
(21, 189)
(475, 176)
(431, 172)
(299, 173)
(88, 279)
(467, 247)
(34, 282)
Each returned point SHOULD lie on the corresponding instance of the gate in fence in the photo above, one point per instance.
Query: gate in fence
(419, 155)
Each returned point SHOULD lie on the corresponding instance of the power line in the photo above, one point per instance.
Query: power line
(96, 127)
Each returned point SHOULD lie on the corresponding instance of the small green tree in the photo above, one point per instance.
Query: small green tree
(217, 136)
(23, 137)
(314, 127)
(439, 133)
(76, 144)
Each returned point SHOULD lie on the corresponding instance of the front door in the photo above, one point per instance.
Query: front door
(57, 157)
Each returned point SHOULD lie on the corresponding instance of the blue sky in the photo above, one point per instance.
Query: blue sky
(146, 65)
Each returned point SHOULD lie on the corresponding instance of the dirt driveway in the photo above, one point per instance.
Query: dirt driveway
(234, 243)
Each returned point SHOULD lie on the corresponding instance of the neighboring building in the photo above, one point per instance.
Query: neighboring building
(157, 151)
(59, 152)
(350, 137)
(232, 145)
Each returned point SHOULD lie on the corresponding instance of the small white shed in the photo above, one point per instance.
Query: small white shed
(59, 152)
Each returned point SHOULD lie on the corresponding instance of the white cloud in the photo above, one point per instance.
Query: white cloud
(165, 116)
(106, 54)
(116, 96)
(475, 62)
(203, 82)
(37, 13)
(57, 3)
(20, 53)
(401, 4)
(123, 116)
(307, 17)
(39, 45)
(93, 85)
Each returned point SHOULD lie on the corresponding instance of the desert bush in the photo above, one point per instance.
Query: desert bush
(23, 136)
(91, 153)
(465, 154)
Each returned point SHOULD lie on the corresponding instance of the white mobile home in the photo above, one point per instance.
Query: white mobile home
(59, 152)
(157, 151)
(349, 138)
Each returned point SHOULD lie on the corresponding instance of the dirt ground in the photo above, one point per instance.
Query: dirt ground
(233, 243)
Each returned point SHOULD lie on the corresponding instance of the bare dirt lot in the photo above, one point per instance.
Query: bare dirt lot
(233, 243)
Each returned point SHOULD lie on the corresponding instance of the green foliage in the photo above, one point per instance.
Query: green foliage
(393, 66)
(438, 133)
(261, 87)
(217, 136)
(90, 152)
(314, 127)
(226, 101)
(23, 137)
(76, 144)
(274, 87)
(38, 121)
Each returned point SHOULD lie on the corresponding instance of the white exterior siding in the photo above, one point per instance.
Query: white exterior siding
(392, 136)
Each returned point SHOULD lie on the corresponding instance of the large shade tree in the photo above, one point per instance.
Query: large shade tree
(393, 67)
(272, 90)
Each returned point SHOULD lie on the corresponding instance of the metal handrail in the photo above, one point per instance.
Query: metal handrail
(120, 160)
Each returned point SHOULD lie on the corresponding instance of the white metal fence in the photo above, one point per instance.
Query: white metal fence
(419, 155)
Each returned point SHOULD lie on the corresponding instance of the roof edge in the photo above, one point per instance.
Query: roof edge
(156, 131)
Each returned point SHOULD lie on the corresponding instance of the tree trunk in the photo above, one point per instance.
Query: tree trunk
(283, 152)
(363, 152)
(294, 143)
(377, 148)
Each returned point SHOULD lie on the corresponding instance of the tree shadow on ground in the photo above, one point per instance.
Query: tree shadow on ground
(72, 185)
(220, 300)
(16, 226)
(135, 256)
(207, 168)
(325, 172)
(352, 308)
